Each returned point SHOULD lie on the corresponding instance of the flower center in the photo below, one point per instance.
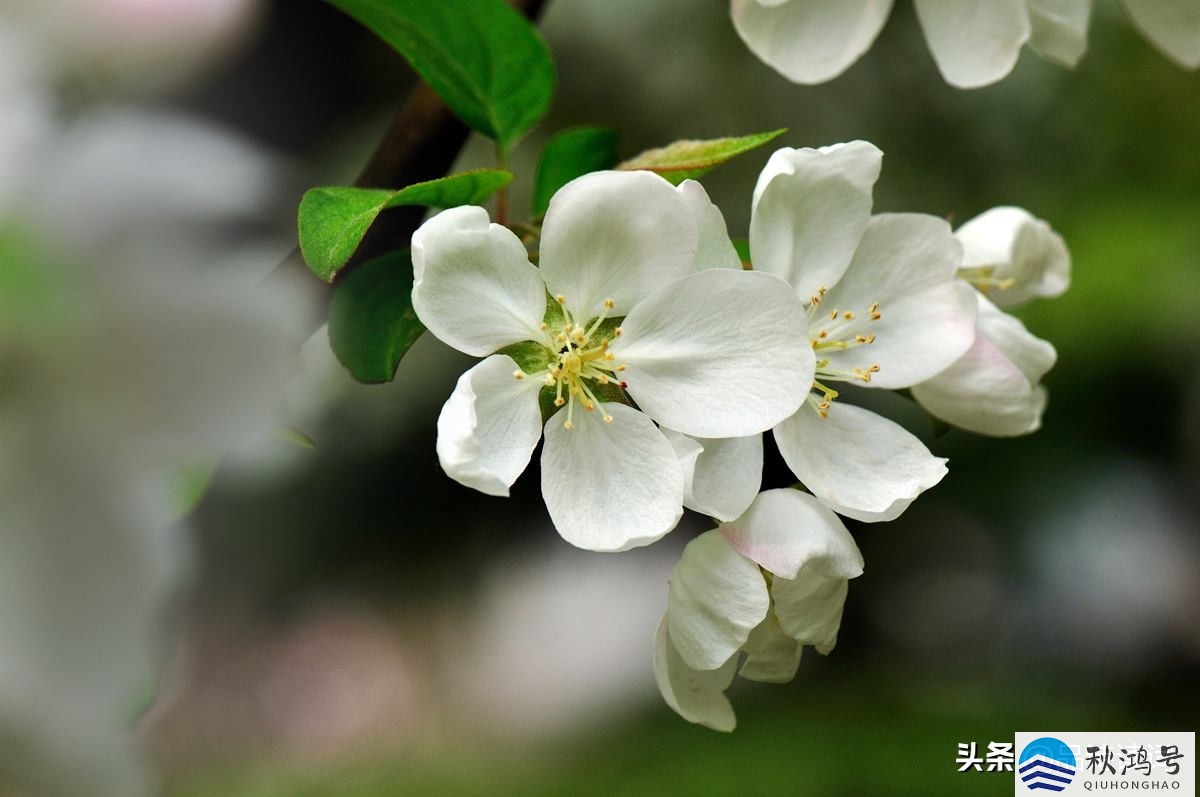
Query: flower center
(831, 332)
(579, 356)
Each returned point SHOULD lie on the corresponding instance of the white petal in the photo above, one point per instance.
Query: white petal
(714, 249)
(722, 474)
(719, 353)
(716, 598)
(859, 464)
(809, 607)
(772, 657)
(786, 530)
(610, 486)
(1173, 26)
(1018, 247)
(1060, 28)
(474, 287)
(696, 695)
(993, 389)
(906, 263)
(489, 426)
(615, 235)
(809, 41)
(975, 42)
(810, 209)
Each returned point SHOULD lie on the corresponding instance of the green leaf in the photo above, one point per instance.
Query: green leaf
(371, 319)
(333, 220)
(570, 154)
(689, 159)
(482, 57)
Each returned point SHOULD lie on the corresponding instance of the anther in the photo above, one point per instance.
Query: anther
(620, 367)
(848, 315)
(609, 304)
(607, 418)
(518, 375)
(560, 299)
(602, 379)
(558, 402)
(833, 314)
(543, 326)
(569, 425)
(608, 355)
(617, 332)
(824, 333)
(623, 385)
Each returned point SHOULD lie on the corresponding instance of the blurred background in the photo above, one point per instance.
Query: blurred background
(358, 624)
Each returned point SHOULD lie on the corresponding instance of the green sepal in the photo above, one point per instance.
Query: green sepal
(532, 358)
(742, 247)
(332, 220)
(689, 159)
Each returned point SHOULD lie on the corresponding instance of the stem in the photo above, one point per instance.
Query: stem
(502, 194)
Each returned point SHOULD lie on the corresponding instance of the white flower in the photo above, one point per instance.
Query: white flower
(884, 310)
(974, 42)
(709, 353)
(1012, 256)
(995, 388)
(746, 597)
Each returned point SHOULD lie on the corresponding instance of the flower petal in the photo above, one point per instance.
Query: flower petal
(810, 209)
(489, 426)
(786, 530)
(772, 657)
(696, 695)
(993, 389)
(722, 475)
(714, 249)
(975, 42)
(716, 598)
(610, 486)
(809, 41)
(474, 287)
(615, 235)
(809, 607)
(906, 263)
(1008, 244)
(1060, 28)
(859, 464)
(1173, 26)
(719, 353)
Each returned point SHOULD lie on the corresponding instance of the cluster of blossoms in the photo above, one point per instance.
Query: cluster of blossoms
(974, 42)
(651, 360)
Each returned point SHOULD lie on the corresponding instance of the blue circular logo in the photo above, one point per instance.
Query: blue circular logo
(1046, 763)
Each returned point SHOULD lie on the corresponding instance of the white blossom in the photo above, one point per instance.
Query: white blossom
(883, 309)
(1011, 256)
(995, 388)
(746, 597)
(643, 307)
(974, 42)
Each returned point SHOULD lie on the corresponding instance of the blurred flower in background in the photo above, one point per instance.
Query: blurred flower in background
(135, 345)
